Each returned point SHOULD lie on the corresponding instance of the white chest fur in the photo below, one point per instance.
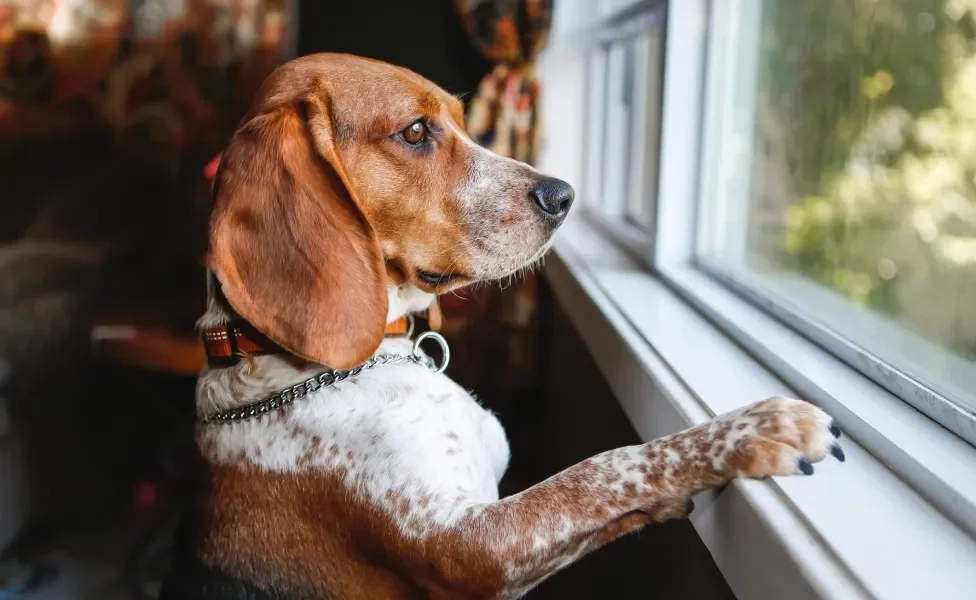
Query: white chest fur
(397, 431)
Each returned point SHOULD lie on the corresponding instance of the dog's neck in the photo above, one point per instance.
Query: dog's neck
(404, 299)
(252, 379)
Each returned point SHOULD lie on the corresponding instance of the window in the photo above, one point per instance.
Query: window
(813, 185)
(840, 178)
(836, 175)
(623, 106)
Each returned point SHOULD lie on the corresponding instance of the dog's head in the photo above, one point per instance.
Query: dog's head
(349, 175)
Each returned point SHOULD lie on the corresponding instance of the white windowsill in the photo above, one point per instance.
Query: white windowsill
(854, 530)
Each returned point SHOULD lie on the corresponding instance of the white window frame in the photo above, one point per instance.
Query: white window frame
(678, 346)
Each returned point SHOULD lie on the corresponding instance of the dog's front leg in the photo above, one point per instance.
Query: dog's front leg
(531, 535)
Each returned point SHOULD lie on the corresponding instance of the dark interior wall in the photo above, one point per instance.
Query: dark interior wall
(576, 418)
(425, 36)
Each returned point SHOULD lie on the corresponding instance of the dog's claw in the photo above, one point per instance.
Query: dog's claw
(805, 466)
(838, 452)
(835, 430)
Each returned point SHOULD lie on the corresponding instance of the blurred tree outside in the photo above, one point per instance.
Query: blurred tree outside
(866, 156)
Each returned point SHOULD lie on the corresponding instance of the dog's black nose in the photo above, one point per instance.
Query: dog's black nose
(553, 197)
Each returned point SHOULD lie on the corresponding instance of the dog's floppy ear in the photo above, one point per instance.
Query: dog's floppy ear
(293, 253)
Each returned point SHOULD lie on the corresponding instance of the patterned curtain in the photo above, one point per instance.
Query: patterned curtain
(163, 75)
(503, 114)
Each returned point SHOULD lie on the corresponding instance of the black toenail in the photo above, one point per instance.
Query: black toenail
(806, 467)
(835, 430)
(690, 506)
(838, 452)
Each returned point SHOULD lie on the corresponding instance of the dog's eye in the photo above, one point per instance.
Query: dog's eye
(415, 134)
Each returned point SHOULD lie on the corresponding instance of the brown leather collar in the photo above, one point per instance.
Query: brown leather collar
(226, 344)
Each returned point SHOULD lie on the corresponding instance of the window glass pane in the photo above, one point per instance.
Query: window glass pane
(596, 112)
(619, 125)
(841, 173)
(643, 154)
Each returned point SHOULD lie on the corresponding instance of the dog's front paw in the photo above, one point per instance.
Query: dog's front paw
(778, 436)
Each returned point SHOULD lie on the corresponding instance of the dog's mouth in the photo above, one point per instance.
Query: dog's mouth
(438, 279)
(438, 282)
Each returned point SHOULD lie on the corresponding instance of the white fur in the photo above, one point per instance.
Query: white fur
(396, 431)
(491, 190)
(406, 299)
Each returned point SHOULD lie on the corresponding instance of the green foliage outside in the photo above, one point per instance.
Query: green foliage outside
(872, 105)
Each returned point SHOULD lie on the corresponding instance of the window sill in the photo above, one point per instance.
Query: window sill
(855, 530)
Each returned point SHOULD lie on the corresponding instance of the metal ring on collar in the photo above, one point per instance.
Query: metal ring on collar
(444, 349)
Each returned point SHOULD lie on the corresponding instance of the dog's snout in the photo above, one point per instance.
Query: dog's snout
(553, 197)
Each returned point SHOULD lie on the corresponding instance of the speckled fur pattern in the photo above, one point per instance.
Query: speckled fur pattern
(417, 449)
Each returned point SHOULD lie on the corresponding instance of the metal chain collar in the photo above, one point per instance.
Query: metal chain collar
(329, 378)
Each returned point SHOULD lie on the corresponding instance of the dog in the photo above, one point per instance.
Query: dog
(348, 198)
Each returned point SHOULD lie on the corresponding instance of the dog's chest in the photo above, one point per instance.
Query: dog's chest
(397, 431)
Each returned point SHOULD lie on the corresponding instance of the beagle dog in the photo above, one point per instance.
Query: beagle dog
(340, 462)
